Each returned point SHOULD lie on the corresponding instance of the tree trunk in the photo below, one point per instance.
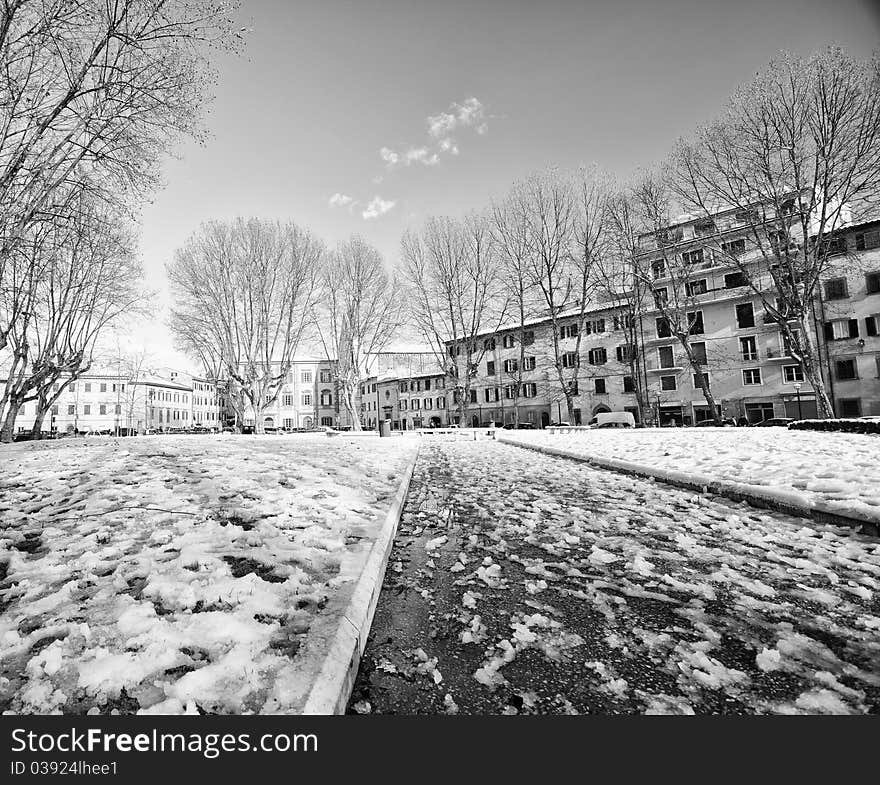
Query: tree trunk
(348, 396)
(39, 416)
(811, 364)
(8, 428)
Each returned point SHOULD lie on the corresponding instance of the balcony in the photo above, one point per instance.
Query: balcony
(667, 370)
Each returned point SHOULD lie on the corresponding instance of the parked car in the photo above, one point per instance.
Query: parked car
(613, 420)
(871, 417)
(726, 422)
(775, 422)
(556, 424)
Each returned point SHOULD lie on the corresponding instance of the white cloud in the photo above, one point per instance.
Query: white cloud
(421, 155)
(340, 200)
(448, 145)
(469, 113)
(378, 206)
(389, 156)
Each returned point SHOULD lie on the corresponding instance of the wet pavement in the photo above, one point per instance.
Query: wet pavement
(521, 583)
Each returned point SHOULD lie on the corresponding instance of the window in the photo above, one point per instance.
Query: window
(102, 409)
(103, 387)
(509, 341)
(624, 321)
(867, 240)
(403, 387)
(846, 369)
(600, 387)
(473, 395)
(570, 360)
(735, 280)
(417, 404)
(690, 258)
(695, 322)
(748, 348)
(88, 386)
(55, 410)
(668, 383)
(666, 357)
(528, 363)
(695, 379)
(835, 289)
(704, 228)
(441, 403)
(792, 373)
(530, 390)
(489, 344)
(598, 356)
(663, 328)
(629, 384)
(595, 326)
(87, 409)
(72, 387)
(840, 329)
(509, 391)
(325, 377)
(307, 399)
(327, 422)
(734, 248)
(427, 385)
(118, 408)
(511, 366)
(573, 387)
(306, 377)
(429, 404)
(833, 246)
(699, 351)
(751, 376)
(528, 337)
(872, 283)
(871, 325)
(71, 409)
(658, 269)
(745, 315)
(850, 407)
(694, 288)
(568, 331)
(490, 368)
(625, 353)
(404, 404)
(661, 296)
(287, 400)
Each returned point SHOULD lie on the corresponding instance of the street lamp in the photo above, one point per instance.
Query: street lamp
(797, 391)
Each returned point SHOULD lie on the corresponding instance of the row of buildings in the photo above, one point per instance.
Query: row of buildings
(169, 400)
(749, 365)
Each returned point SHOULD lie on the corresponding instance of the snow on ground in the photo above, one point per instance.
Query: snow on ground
(177, 574)
(554, 587)
(842, 469)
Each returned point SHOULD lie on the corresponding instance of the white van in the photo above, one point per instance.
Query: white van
(613, 420)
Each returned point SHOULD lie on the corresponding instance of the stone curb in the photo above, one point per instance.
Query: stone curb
(789, 502)
(330, 691)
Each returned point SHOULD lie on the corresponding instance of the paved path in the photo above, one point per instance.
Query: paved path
(524, 583)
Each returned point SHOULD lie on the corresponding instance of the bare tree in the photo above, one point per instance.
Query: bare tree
(796, 151)
(676, 294)
(510, 229)
(89, 279)
(455, 295)
(244, 293)
(358, 314)
(93, 93)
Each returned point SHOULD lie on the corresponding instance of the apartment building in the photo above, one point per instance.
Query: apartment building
(849, 310)
(308, 398)
(111, 403)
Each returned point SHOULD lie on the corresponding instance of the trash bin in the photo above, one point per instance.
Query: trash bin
(384, 427)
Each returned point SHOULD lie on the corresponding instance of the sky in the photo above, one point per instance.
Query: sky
(366, 117)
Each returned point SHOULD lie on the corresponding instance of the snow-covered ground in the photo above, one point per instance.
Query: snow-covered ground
(841, 469)
(178, 574)
(525, 583)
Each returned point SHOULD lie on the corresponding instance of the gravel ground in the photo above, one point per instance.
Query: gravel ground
(523, 583)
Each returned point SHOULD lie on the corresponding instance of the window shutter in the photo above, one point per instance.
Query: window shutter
(853, 328)
(871, 325)
(829, 331)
